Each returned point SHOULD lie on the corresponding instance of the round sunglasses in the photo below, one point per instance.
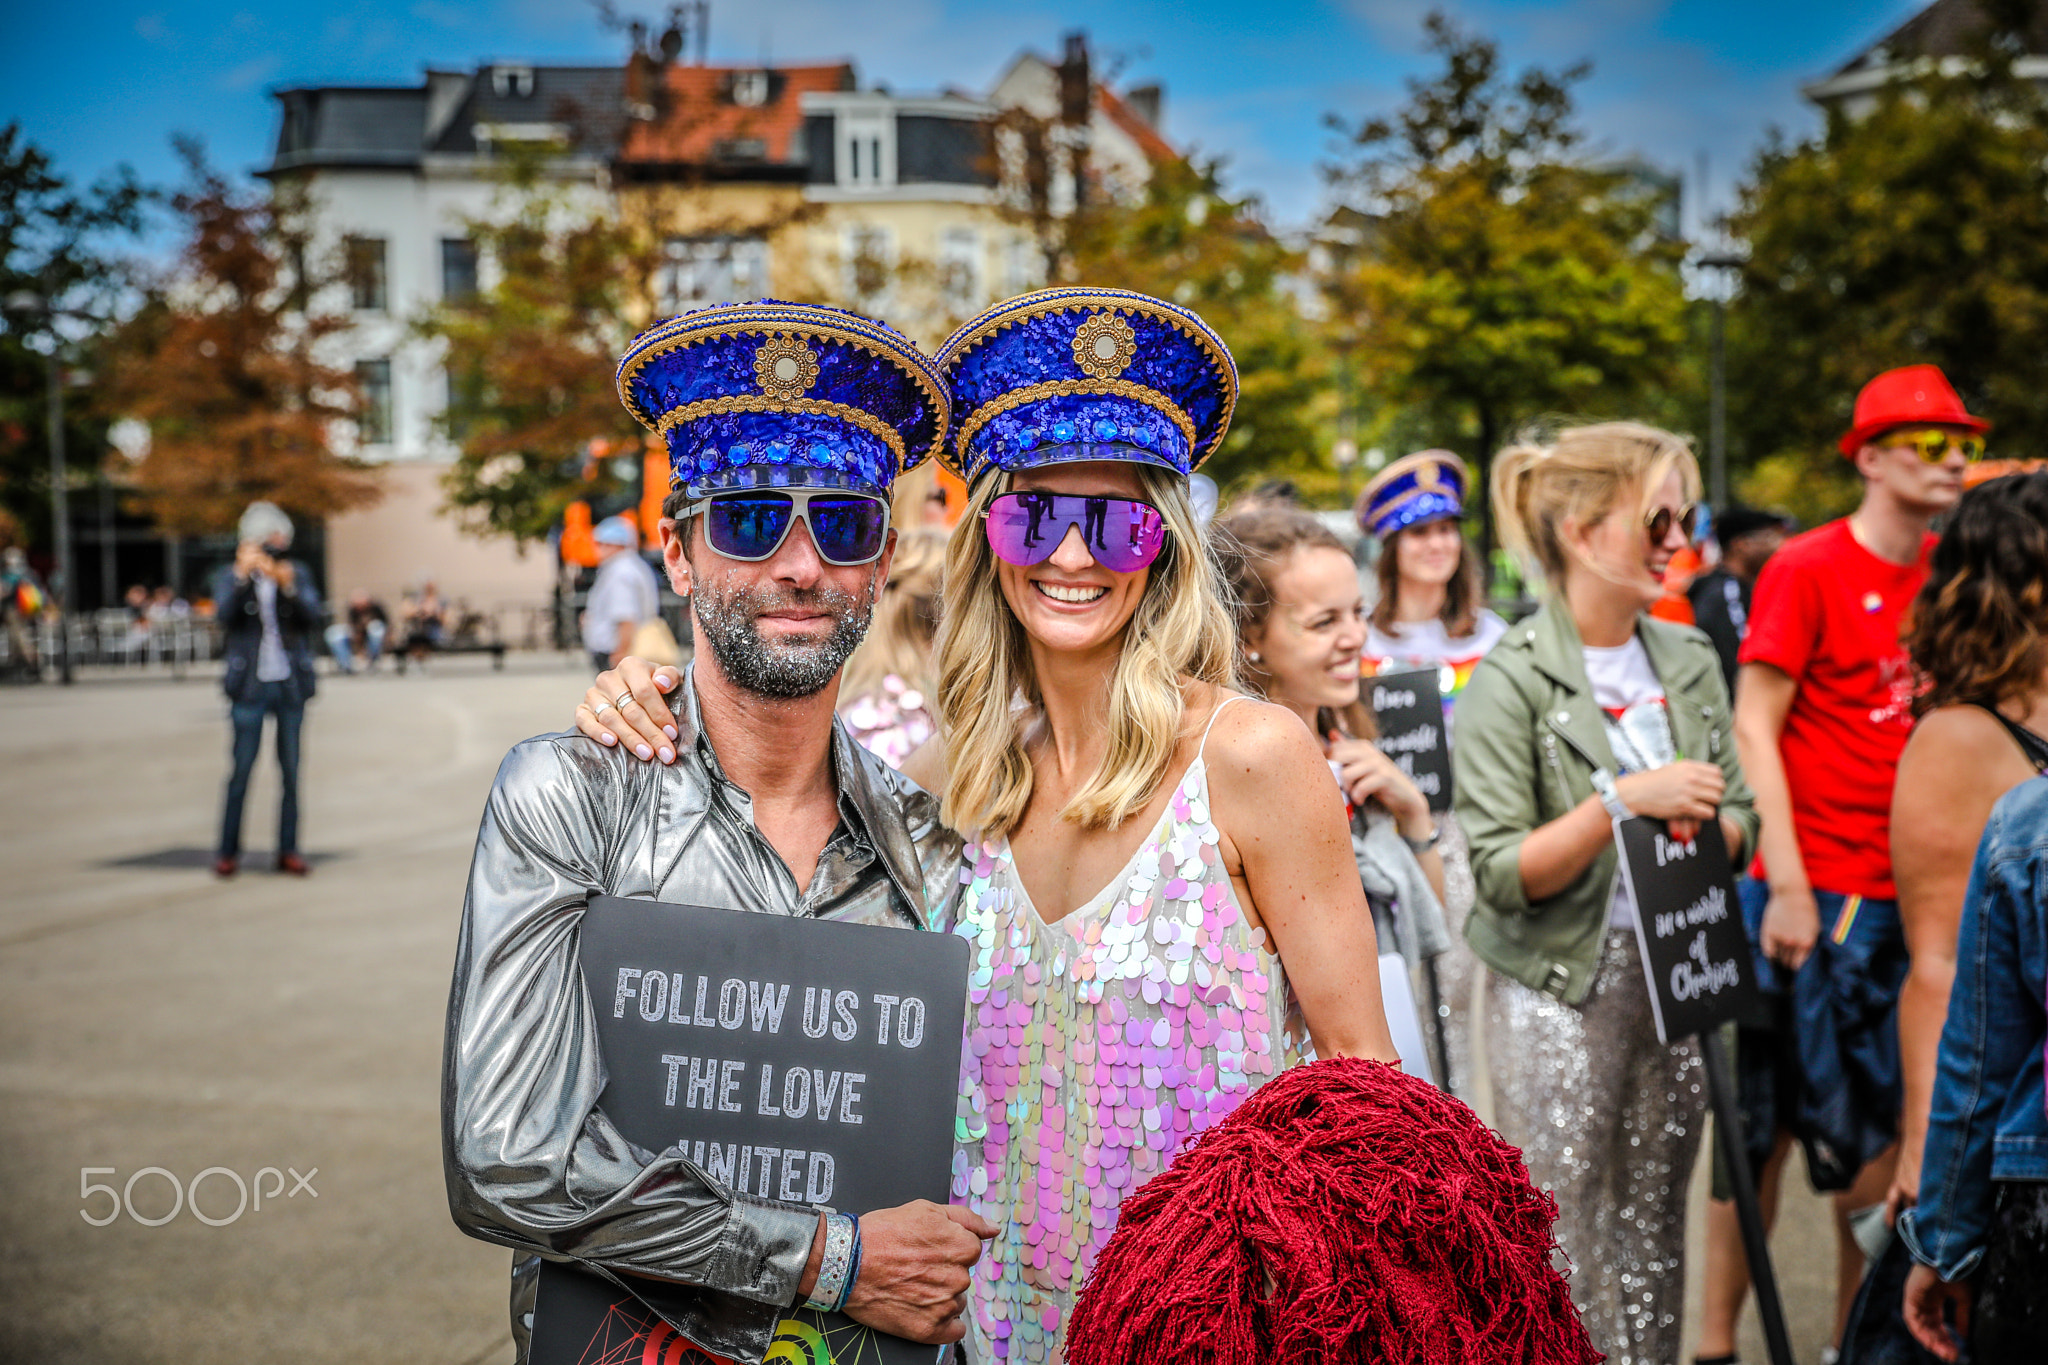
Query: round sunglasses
(847, 528)
(1658, 523)
(1123, 534)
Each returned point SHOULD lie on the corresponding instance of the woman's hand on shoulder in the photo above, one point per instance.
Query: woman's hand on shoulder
(641, 720)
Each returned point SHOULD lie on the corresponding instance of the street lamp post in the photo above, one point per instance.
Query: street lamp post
(34, 304)
(1717, 396)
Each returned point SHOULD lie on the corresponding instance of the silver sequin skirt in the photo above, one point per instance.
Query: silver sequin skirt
(1609, 1121)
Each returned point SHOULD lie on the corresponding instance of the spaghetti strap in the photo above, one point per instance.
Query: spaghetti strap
(1235, 696)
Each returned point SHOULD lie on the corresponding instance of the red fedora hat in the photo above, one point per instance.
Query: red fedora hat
(1917, 395)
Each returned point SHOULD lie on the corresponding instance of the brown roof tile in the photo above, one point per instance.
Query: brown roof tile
(696, 117)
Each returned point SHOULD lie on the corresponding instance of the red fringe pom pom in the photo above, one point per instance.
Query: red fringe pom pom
(1344, 1212)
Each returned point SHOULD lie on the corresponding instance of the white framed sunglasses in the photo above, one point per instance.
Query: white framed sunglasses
(750, 524)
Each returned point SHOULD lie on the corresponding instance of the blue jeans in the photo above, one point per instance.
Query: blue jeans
(1829, 1072)
(265, 699)
(341, 644)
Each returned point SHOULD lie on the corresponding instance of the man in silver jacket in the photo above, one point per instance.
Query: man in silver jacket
(764, 805)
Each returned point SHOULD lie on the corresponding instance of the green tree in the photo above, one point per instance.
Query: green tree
(225, 362)
(1498, 278)
(1917, 233)
(56, 244)
(1186, 240)
(530, 360)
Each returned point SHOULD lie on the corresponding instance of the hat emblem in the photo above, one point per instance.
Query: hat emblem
(1104, 345)
(785, 367)
(1427, 476)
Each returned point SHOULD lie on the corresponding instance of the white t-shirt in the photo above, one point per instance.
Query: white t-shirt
(623, 591)
(1426, 644)
(1638, 725)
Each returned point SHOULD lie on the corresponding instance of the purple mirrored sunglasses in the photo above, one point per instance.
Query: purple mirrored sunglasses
(1123, 534)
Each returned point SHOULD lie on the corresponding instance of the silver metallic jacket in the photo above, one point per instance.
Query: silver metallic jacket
(532, 1162)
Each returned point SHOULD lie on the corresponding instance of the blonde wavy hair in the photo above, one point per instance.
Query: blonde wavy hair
(899, 640)
(1581, 475)
(1181, 629)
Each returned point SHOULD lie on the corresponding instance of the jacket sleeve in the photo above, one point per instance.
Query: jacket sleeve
(1494, 775)
(531, 1161)
(1982, 1050)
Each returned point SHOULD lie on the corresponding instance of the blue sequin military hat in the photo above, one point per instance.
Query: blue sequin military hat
(1086, 374)
(772, 395)
(1426, 486)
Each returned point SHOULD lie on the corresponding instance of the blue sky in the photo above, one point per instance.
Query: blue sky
(110, 82)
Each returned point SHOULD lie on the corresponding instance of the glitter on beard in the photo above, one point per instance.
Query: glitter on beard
(788, 670)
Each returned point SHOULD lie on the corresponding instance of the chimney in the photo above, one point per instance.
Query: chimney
(1144, 102)
(1076, 96)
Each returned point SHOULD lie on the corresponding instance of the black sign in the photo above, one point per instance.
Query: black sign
(1410, 713)
(1688, 925)
(799, 1060)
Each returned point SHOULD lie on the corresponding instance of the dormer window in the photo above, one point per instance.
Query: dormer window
(750, 89)
(512, 82)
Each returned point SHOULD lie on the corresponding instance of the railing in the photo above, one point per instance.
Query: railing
(113, 638)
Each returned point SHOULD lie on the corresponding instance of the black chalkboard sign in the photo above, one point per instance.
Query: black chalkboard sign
(1410, 712)
(799, 1060)
(1688, 925)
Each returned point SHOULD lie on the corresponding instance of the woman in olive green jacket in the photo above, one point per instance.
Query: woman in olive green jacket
(1588, 711)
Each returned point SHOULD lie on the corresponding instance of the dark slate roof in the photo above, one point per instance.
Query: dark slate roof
(589, 99)
(350, 126)
(1946, 28)
(389, 126)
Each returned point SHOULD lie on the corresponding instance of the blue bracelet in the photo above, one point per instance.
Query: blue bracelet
(852, 1271)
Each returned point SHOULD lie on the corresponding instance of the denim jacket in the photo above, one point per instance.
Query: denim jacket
(1988, 1122)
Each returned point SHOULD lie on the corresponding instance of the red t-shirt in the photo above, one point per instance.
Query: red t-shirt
(1827, 612)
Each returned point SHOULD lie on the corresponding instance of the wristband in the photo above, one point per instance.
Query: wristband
(1603, 783)
(1421, 846)
(852, 1269)
(833, 1280)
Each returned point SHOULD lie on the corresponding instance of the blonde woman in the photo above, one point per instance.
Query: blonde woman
(1158, 880)
(1589, 711)
(885, 692)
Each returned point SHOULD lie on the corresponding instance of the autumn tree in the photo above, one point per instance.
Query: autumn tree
(56, 249)
(225, 363)
(530, 360)
(1915, 233)
(1499, 277)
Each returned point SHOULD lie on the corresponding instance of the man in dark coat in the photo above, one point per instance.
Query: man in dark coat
(270, 613)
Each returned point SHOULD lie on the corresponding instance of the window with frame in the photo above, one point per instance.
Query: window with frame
(458, 269)
(373, 418)
(368, 289)
(698, 271)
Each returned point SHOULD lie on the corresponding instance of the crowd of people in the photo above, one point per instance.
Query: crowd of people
(1055, 681)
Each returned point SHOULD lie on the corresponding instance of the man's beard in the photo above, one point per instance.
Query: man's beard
(783, 669)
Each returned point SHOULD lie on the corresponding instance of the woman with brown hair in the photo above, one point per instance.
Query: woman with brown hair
(1978, 636)
(1300, 619)
(1432, 614)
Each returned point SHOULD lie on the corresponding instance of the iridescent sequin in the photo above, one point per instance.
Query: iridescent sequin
(1609, 1121)
(1098, 1047)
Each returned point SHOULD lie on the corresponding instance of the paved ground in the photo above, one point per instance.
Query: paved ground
(156, 1018)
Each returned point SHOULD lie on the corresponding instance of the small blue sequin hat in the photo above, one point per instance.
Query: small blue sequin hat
(1086, 374)
(773, 395)
(1426, 486)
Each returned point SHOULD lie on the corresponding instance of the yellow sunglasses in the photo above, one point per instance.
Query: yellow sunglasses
(1933, 444)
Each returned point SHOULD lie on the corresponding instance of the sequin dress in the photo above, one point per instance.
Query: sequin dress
(1098, 1047)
